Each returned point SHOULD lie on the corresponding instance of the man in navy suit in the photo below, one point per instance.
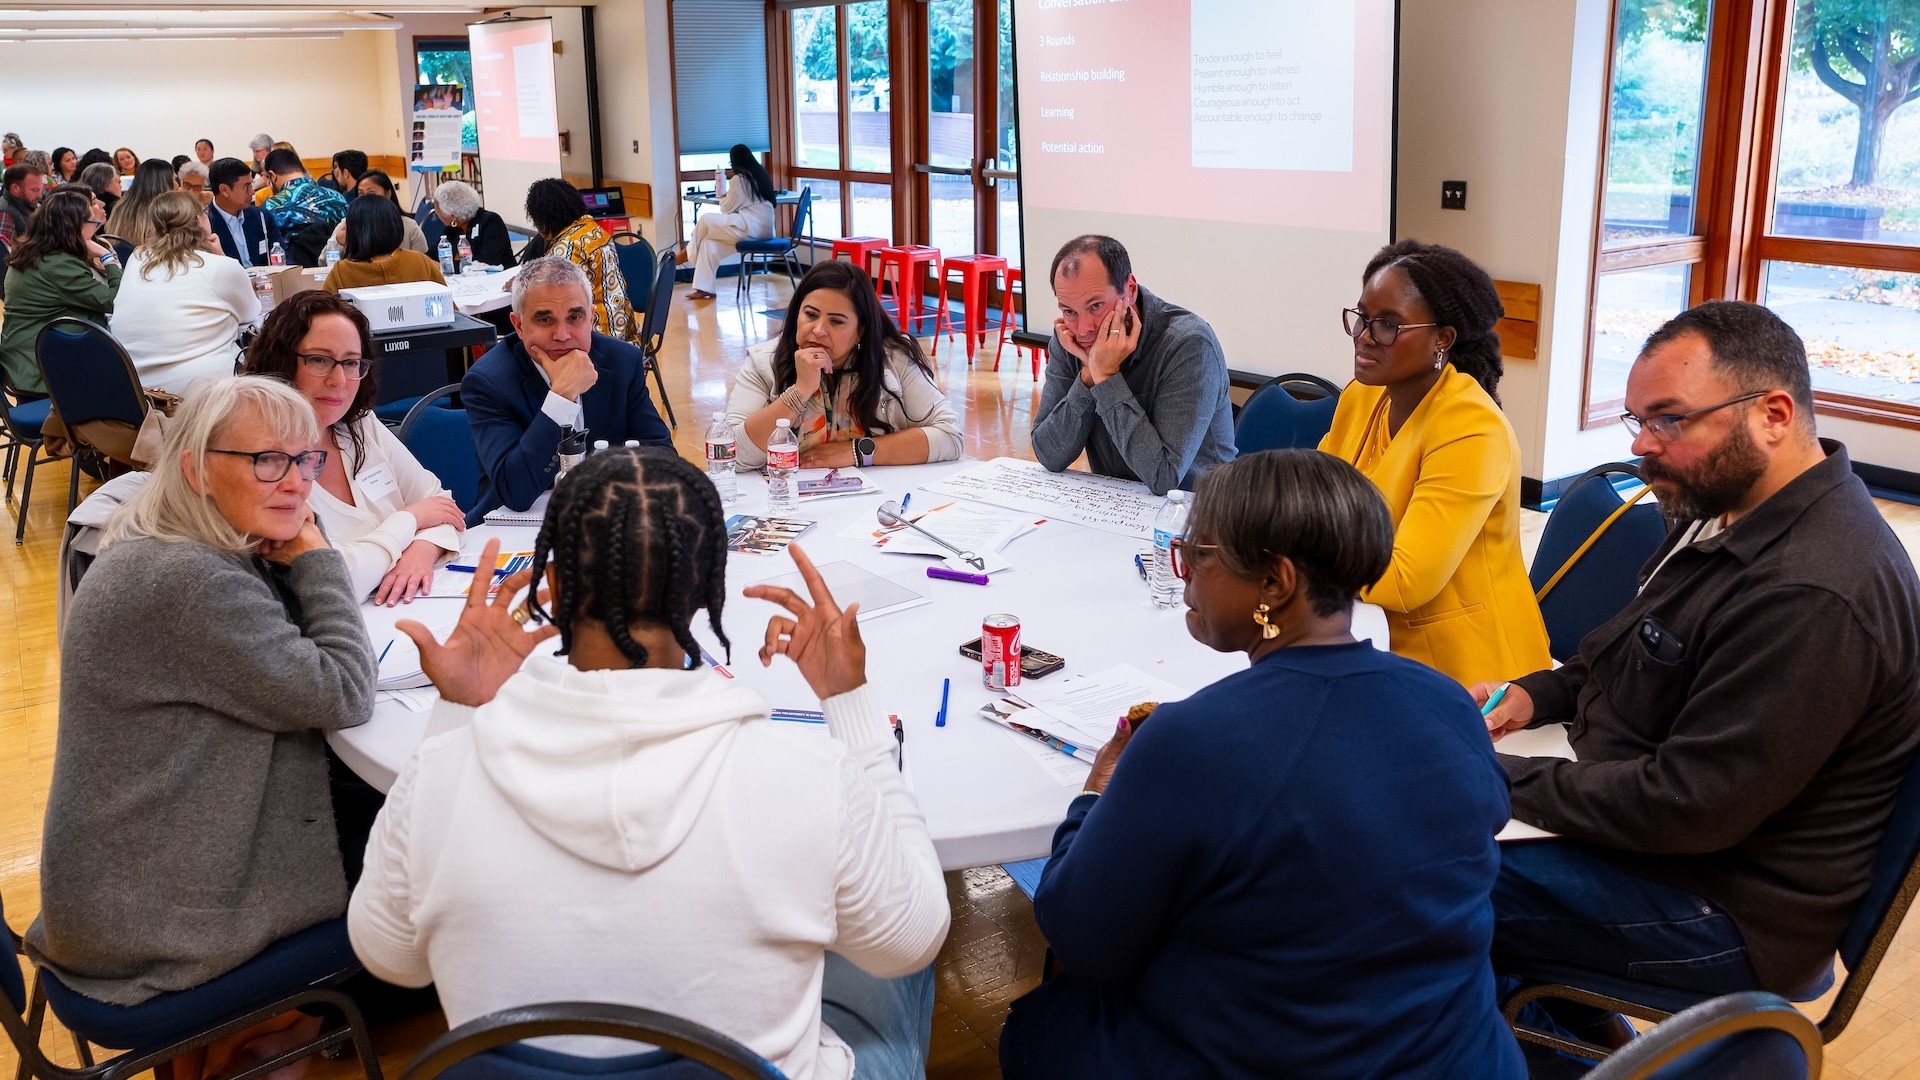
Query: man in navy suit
(554, 372)
(245, 231)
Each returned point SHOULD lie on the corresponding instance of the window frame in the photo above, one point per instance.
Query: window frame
(1736, 174)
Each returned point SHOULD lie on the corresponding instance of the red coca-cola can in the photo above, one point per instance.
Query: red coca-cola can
(1000, 651)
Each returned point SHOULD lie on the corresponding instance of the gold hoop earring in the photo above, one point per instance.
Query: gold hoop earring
(1268, 631)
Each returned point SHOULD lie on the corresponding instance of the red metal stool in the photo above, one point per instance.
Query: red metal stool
(909, 265)
(976, 282)
(859, 250)
(1006, 322)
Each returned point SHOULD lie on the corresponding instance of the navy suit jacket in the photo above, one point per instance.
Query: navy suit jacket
(519, 445)
(260, 229)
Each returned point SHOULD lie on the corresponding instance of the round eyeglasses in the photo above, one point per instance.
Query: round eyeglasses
(1383, 331)
(271, 466)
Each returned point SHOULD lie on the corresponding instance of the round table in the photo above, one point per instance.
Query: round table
(1077, 594)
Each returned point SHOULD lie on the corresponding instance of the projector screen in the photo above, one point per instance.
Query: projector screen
(515, 111)
(1242, 150)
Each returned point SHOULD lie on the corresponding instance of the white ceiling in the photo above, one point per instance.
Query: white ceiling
(69, 20)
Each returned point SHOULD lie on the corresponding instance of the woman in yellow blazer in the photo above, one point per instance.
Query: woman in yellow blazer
(1422, 420)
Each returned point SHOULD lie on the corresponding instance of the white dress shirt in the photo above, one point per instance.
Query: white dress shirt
(376, 528)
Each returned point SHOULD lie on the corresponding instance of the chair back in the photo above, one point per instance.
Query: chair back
(1753, 1035)
(635, 256)
(1890, 892)
(441, 439)
(653, 329)
(89, 376)
(802, 212)
(1606, 578)
(480, 1041)
(1288, 411)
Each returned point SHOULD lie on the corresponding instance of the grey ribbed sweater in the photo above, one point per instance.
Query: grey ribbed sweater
(1165, 420)
(189, 824)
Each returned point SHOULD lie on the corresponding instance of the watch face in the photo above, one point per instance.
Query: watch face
(863, 447)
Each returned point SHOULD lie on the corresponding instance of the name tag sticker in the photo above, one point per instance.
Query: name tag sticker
(473, 233)
(261, 247)
(377, 482)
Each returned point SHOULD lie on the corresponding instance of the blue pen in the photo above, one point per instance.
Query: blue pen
(1487, 709)
(498, 571)
(946, 688)
(383, 652)
(904, 500)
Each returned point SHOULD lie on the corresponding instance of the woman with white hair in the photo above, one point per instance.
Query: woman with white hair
(194, 178)
(457, 212)
(207, 652)
(179, 311)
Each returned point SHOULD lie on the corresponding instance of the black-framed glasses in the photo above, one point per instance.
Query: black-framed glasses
(1177, 553)
(1666, 426)
(354, 367)
(1383, 331)
(270, 466)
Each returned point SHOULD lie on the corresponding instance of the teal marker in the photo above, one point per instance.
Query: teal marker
(1487, 709)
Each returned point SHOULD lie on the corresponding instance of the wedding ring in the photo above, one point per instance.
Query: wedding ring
(1113, 333)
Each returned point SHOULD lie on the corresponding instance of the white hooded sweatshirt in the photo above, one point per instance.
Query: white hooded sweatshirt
(649, 837)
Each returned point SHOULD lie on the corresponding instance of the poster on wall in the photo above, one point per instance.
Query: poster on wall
(438, 111)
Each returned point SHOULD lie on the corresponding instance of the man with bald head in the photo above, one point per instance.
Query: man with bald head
(1137, 384)
(1744, 726)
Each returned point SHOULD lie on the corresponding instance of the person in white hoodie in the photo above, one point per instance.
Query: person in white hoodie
(621, 823)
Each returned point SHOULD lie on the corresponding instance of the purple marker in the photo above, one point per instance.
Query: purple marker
(945, 574)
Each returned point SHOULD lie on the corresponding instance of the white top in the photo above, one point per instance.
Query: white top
(375, 530)
(182, 327)
(756, 213)
(911, 400)
(649, 837)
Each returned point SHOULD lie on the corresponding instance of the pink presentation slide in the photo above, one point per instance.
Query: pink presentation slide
(1270, 112)
(513, 100)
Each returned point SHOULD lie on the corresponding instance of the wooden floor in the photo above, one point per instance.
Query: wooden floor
(992, 955)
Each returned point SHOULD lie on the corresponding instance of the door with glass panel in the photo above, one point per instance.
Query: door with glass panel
(968, 157)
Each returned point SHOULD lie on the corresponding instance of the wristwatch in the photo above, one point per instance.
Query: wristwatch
(863, 451)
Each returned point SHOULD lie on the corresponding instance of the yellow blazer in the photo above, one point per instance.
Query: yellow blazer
(1456, 593)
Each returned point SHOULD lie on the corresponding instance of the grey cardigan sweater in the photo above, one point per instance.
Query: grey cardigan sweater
(190, 824)
(1164, 420)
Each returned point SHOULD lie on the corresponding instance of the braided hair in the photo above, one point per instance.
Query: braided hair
(1463, 298)
(635, 534)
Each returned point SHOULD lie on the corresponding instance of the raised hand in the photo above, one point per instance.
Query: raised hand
(488, 644)
(822, 640)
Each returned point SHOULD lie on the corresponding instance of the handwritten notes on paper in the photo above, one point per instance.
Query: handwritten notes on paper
(1098, 502)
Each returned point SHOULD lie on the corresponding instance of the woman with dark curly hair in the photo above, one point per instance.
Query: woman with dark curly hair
(1422, 420)
(383, 510)
(567, 230)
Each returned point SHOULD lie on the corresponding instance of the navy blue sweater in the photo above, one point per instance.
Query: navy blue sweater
(1289, 875)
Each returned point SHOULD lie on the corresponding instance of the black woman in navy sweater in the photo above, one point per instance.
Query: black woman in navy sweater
(1289, 875)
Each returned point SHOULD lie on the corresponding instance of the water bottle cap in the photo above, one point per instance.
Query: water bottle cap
(783, 422)
(1176, 495)
(719, 416)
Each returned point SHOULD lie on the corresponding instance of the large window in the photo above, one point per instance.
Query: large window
(1766, 151)
(842, 116)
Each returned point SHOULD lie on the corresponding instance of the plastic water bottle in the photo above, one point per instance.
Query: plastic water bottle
(278, 256)
(446, 258)
(465, 251)
(783, 458)
(720, 458)
(1169, 525)
(330, 254)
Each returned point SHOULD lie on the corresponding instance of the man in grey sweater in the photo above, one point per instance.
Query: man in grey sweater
(1137, 383)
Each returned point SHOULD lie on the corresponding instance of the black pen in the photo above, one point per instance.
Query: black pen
(900, 743)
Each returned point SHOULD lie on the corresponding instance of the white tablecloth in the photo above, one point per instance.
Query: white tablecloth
(1075, 590)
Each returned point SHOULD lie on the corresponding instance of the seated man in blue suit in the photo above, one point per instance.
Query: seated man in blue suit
(245, 231)
(554, 372)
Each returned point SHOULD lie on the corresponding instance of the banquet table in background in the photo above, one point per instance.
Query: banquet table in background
(986, 796)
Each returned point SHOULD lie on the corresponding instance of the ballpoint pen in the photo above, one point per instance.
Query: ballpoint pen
(904, 500)
(1056, 742)
(946, 688)
(1494, 699)
(458, 568)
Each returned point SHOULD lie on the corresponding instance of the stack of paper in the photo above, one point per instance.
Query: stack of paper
(400, 658)
(876, 595)
(983, 530)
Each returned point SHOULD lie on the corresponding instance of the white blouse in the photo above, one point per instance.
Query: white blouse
(375, 529)
(182, 327)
